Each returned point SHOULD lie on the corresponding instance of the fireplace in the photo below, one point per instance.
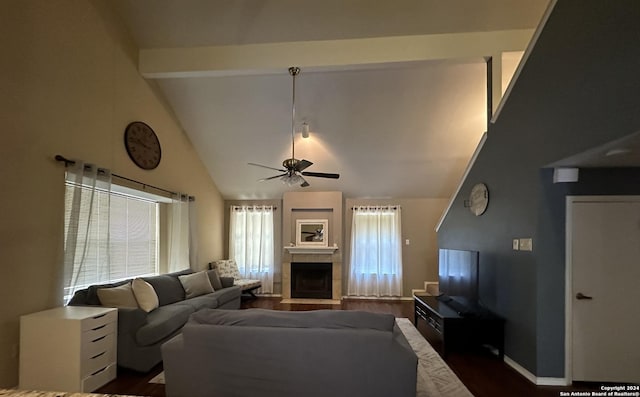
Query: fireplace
(311, 280)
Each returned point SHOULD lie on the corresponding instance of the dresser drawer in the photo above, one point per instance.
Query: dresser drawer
(104, 343)
(99, 378)
(96, 334)
(98, 321)
(93, 364)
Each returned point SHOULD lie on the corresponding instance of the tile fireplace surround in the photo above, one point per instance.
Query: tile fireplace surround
(336, 273)
(312, 205)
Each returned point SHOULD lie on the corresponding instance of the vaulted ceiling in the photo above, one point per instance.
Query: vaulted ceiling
(394, 92)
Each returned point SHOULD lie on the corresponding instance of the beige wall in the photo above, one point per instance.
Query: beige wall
(419, 218)
(69, 85)
(420, 257)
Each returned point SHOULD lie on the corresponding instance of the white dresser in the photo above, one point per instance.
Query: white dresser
(71, 348)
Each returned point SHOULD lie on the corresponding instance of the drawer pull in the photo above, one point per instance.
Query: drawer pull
(97, 328)
(99, 339)
(97, 355)
(98, 371)
(99, 316)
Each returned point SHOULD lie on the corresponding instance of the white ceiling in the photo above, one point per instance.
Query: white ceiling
(403, 130)
(190, 23)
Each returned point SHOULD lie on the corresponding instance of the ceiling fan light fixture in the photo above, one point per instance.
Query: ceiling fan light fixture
(291, 180)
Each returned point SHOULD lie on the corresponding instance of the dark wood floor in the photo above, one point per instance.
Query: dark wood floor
(483, 374)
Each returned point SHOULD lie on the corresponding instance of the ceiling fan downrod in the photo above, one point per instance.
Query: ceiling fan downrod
(294, 169)
(293, 71)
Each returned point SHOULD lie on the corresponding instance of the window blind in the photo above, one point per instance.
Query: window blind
(123, 236)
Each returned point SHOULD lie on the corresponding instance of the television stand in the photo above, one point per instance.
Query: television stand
(448, 329)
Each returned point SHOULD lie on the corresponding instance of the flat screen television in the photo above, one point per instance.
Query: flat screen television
(458, 275)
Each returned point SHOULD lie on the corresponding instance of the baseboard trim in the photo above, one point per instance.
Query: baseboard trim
(520, 369)
(312, 301)
(538, 381)
(543, 381)
(380, 298)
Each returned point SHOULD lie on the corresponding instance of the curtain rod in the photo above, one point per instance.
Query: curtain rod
(235, 207)
(68, 162)
(395, 207)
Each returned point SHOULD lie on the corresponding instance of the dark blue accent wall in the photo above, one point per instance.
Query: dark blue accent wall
(579, 89)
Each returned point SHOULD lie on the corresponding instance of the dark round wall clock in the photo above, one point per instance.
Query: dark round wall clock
(142, 145)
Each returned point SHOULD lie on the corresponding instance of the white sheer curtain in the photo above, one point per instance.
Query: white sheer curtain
(251, 243)
(193, 234)
(179, 233)
(375, 266)
(87, 206)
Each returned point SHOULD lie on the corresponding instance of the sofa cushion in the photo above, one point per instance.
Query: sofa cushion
(307, 319)
(167, 287)
(208, 301)
(163, 322)
(120, 296)
(226, 282)
(246, 284)
(214, 278)
(91, 296)
(195, 284)
(145, 295)
(227, 295)
(79, 298)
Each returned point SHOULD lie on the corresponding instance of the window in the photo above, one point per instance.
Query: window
(109, 236)
(375, 267)
(133, 237)
(251, 243)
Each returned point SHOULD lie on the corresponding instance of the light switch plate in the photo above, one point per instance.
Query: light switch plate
(516, 244)
(526, 244)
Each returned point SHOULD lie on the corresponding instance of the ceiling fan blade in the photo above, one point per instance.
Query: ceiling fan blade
(304, 183)
(321, 175)
(264, 166)
(272, 177)
(303, 164)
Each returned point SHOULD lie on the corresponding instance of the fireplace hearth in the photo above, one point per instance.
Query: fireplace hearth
(311, 280)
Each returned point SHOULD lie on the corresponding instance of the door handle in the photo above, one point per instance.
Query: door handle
(582, 296)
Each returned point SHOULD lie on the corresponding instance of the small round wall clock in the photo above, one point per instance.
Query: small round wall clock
(142, 145)
(479, 199)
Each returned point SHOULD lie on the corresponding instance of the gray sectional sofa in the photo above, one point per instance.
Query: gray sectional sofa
(257, 352)
(140, 334)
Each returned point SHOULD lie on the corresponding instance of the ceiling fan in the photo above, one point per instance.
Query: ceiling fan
(293, 172)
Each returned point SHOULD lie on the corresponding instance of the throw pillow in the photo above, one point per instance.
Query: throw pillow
(214, 278)
(196, 284)
(121, 296)
(145, 295)
(228, 268)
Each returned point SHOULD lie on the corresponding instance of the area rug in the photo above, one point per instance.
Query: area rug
(31, 393)
(435, 378)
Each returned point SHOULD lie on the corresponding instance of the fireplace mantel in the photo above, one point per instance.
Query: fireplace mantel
(311, 250)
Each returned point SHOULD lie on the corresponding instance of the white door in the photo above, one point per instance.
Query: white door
(604, 295)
